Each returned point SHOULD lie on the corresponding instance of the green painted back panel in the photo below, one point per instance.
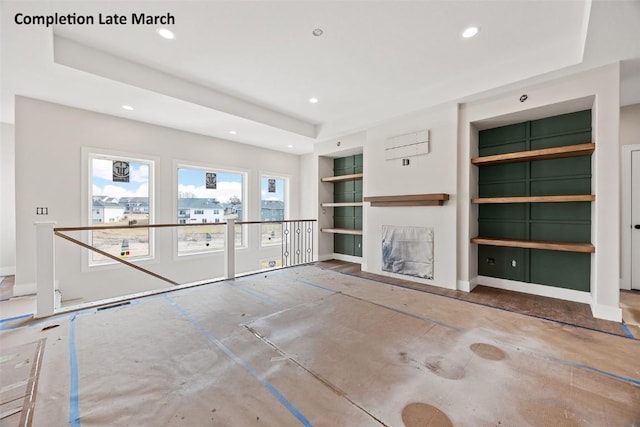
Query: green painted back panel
(347, 217)
(357, 163)
(576, 211)
(503, 189)
(504, 229)
(357, 245)
(568, 270)
(560, 140)
(505, 137)
(343, 244)
(496, 261)
(347, 165)
(565, 186)
(571, 123)
(570, 166)
(504, 211)
(563, 222)
(510, 147)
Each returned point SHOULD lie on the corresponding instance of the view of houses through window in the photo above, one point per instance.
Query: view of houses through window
(272, 208)
(207, 197)
(119, 196)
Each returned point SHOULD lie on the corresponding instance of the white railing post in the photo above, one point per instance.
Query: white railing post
(45, 268)
(230, 249)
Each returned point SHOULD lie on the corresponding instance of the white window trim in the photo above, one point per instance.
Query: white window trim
(287, 201)
(209, 167)
(86, 203)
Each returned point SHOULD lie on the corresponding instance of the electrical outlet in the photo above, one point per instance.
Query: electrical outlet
(513, 263)
(405, 162)
(42, 211)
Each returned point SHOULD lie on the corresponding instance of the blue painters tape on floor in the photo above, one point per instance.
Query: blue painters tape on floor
(632, 381)
(259, 296)
(492, 306)
(417, 316)
(627, 331)
(283, 400)
(56, 317)
(609, 374)
(74, 412)
(3, 322)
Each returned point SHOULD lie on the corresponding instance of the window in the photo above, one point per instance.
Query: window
(273, 207)
(120, 195)
(211, 195)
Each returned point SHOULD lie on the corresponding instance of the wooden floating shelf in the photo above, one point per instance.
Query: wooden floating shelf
(340, 204)
(342, 231)
(536, 199)
(342, 177)
(408, 200)
(552, 246)
(543, 154)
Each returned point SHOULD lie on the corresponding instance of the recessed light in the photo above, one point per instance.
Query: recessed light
(289, 146)
(470, 32)
(233, 132)
(313, 100)
(166, 33)
(127, 107)
(317, 32)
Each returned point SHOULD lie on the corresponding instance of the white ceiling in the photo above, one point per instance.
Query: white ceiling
(251, 66)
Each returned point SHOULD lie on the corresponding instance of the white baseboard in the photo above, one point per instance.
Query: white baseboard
(7, 271)
(606, 312)
(347, 258)
(22, 289)
(625, 284)
(467, 286)
(535, 289)
(325, 257)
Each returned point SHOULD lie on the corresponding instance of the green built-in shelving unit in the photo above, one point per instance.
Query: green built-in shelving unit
(534, 204)
(347, 205)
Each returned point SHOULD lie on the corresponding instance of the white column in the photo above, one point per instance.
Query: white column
(230, 249)
(45, 268)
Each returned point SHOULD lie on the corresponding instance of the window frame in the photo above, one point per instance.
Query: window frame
(88, 155)
(287, 185)
(207, 167)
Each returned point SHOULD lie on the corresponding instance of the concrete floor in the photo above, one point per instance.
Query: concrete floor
(307, 346)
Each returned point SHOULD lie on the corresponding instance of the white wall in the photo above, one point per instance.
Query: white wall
(309, 195)
(431, 173)
(600, 88)
(7, 201)
(630, 124)
(629, 142)
(49, 170)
